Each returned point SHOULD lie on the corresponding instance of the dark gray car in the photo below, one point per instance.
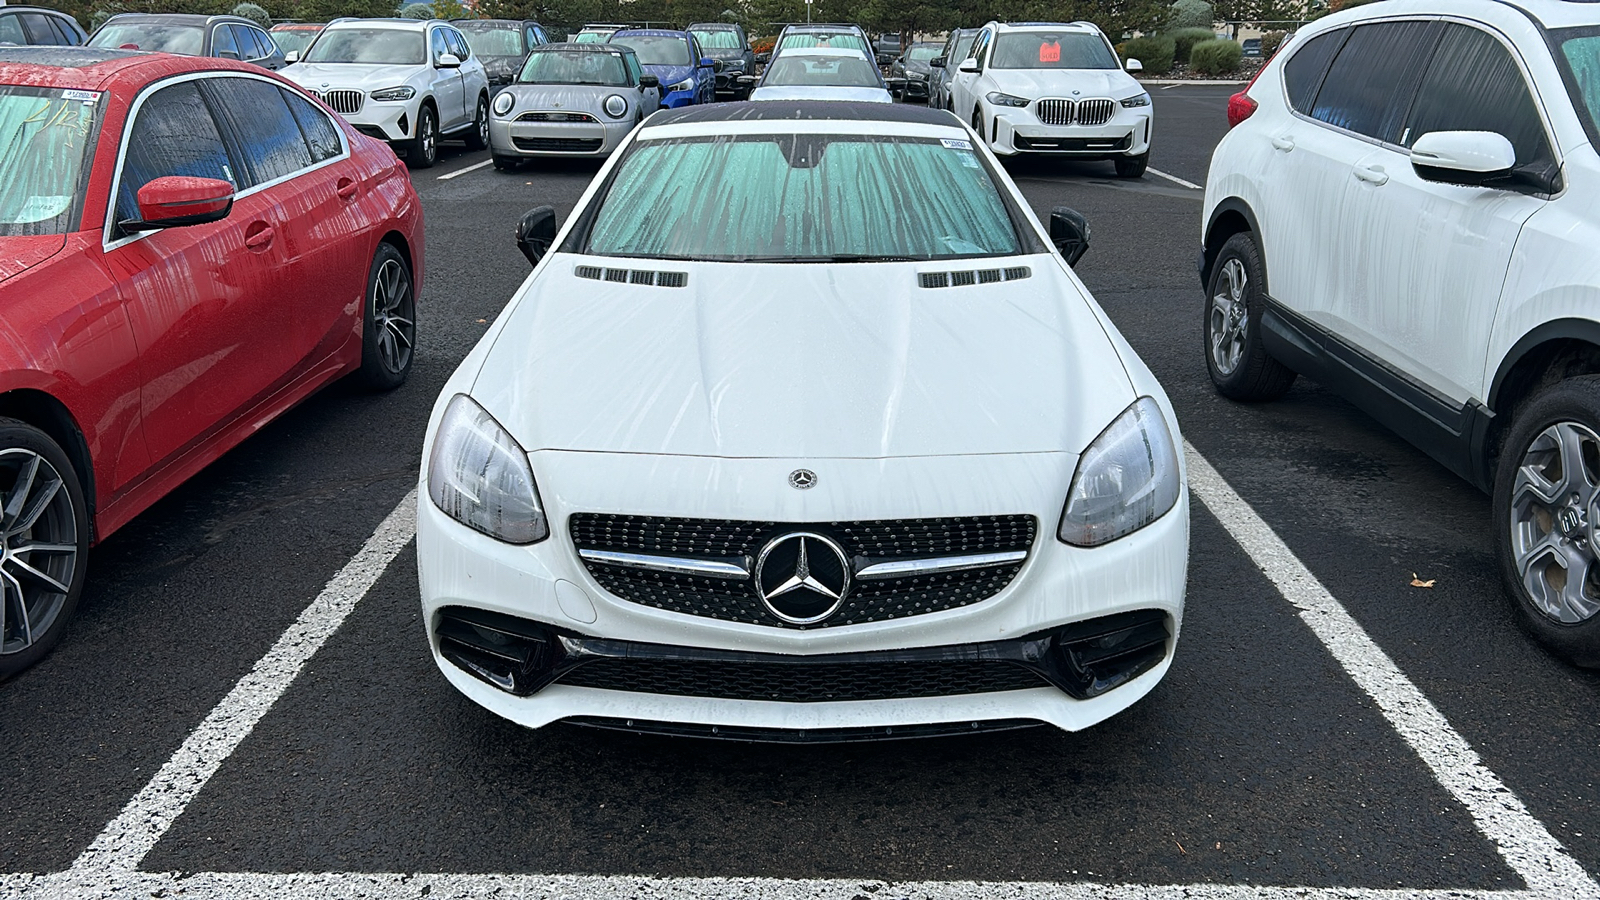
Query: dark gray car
(914, 66)
(225, 37)
(502, 45)
(28, 26)
(944, 65)
(728, 44)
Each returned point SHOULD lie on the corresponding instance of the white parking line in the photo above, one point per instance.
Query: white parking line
(1171, 86)
(1174, 179)
(109, 867)
(130, 836)
(1523, 841)
(460, 172)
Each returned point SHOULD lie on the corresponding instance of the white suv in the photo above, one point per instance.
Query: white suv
(1046, 89)
(1407, 209)
(404, 81)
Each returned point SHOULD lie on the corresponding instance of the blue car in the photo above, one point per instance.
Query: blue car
(688, 76)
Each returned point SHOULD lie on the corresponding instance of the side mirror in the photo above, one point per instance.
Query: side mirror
(293, 56)
(1471, 158)
(763, 58)
(968, 65)
(536, 232)
(1069, 231)
(447, 61)
(649, 81)
(937, 62)
(747, 80)
(708, 63)
(1133, 65)
(179, 200)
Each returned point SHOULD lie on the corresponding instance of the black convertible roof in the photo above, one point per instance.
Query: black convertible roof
(803, 110)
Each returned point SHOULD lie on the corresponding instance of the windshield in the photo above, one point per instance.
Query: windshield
(797, 68)
(923, 54)
(718, 40)
(574, 67)
(47, 134)
(155, 37)
(834, 39)
(591, 37)
(803, 198)
(493, 40)
(1580, 51)
(372, 46)
(657, 50)
(294, 40)
(1042, 50)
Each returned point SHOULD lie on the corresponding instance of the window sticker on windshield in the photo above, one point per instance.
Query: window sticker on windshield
(85, 96)
(40, 208)
(955, 144)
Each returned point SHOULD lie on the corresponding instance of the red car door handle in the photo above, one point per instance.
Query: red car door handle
(259, 236)
(346, 189)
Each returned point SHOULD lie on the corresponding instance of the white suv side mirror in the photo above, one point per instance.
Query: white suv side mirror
(292, 56)
(447, 61)
(968, 65)
(1133, 65)
(1463, 157)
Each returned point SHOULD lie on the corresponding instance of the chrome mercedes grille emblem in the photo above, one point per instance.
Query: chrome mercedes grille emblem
(802, 577)
(802, 479)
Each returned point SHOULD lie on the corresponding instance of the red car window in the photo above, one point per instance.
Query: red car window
(173, 135)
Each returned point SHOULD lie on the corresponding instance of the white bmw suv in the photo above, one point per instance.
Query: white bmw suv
(1407, 210)
(1048, 89)
(404, 81)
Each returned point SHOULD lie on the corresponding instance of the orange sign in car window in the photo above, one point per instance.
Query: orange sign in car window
(1050, 52)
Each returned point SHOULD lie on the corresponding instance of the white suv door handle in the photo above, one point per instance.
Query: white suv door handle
(1285, 143)
(1373, 175)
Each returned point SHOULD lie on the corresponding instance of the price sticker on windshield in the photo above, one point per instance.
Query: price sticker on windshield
(955, 144)
(84, 96)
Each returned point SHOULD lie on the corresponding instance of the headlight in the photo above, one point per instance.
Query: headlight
(616, 105)
(685, 85)
(503, 103)
(1136, 101)
(1127, 479)
(999, 99)
(736, 65)
(478, 476)
(395, 93)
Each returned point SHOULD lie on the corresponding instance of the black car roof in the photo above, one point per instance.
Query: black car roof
(803, 110)
(35, 9)
(61, 57)
(182, 18)
(519, 22)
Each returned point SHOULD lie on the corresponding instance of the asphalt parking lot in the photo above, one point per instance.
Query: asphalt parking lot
(246, 706)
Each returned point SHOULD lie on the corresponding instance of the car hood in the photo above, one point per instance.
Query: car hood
(1036, 83)
(725, 53)
(669, 75)
(349, 76)
(581, 97)
(918, 65)
(860, 95)
(823, 361)
(23, 252)
(500, 66)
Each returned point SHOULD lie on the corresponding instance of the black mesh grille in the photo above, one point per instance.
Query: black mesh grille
(558, 145)
(798, 682)
(869, 601)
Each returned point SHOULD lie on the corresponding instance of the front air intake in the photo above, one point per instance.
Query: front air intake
(512, 654)
(968, 278)
(1102, 654)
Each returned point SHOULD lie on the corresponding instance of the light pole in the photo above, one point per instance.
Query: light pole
(808, 12)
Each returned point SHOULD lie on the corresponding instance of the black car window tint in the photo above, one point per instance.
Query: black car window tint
(1371, 82)
(457, 45)
(11, 30)
(321, 135)
(268, 137)
(68, 31)
(253, 42)
(39, 30)
(223, 43)
(173, 134)
(1302, 74)
(1475, 85)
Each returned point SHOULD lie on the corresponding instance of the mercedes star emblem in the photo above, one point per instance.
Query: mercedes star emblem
(802, 577)
(802, 479)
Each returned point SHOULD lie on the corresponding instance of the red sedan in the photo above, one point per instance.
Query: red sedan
(188, 248)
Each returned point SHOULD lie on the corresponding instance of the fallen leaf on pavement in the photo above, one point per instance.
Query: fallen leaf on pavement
(1419, 583)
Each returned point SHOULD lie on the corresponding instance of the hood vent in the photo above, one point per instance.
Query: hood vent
(633, 276)
(976, 276)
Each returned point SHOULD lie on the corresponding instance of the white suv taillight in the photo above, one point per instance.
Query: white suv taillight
(1240, 107)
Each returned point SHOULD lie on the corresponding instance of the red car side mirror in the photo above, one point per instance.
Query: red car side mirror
(178, 200)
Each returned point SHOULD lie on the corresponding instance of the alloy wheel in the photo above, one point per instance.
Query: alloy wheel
(430, 137)
(1230, 314)
(393, 315)
(483, 122)
(38, 548)
(1554, 520)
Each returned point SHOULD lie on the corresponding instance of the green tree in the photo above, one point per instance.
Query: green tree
(1192, 14)
(254, 13)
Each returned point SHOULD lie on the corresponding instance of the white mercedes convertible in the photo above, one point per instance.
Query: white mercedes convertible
(803, 429)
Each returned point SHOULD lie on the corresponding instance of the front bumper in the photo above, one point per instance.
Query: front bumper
(509, 137)
(678, 99)
(1014, 132)
(915, 89)
(392, 121)
(728, 84)
(548, 587)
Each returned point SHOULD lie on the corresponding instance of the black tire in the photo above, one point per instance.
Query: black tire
(506, 163)
(977, 122)
(1522, 520)
(478, 137)
(1132, 166)
(1254, 374)
(422, 151)
(62, 521)
(388, 327)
